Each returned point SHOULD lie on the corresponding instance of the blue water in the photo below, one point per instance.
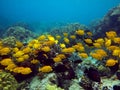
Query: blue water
(82, 11)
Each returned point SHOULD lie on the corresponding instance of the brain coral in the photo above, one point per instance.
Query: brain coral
(7, 81)
(9, 41)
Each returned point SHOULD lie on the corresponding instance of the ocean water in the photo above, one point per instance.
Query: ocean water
(53, 11)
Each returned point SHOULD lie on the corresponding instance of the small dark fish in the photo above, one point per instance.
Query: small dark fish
(118, 74)
(43, 59)
(4, 56)
(116, 87)
(114, 68)
(78, 61)
(93, 74)
(60, 68)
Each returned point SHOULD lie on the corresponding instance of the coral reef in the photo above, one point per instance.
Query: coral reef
(85, 59)
(45, 83)
(20, 33)
(9, 41)
(69, 28)
(75, 85)
(7, 81)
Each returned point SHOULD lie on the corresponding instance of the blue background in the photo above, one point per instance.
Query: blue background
(83, 11)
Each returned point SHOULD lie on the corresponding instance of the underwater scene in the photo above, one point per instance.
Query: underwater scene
(59, 44)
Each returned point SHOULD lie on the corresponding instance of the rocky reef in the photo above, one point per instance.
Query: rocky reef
(70, 28)
(111, 21)
(20, 33)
